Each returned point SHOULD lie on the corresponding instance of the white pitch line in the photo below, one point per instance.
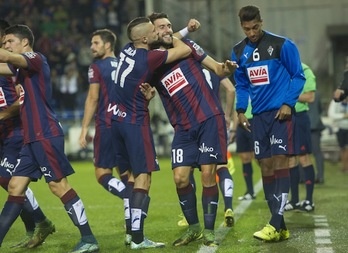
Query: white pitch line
(222, 231)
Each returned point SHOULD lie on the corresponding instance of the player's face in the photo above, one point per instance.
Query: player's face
(13, 44)
(165, 31)
(97, 47)
(252, 29)
(152, 36)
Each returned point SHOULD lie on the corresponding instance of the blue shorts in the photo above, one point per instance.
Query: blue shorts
(134, 147)
(244, 139)
(44, 158)
(272, 136)
(302, 134)
(202, 144)
(104, 155)
(9, 155)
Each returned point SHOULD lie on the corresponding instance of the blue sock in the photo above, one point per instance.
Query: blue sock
(139, 207)
(76, 211)
(192, 179)
(282, 178)
(226, 186)
(113, 185)
(248, 177)
(188, 203)
(294, 183)
(210, 198)
(9, 214)
(268, 189)
(309, 176)
(127, 212)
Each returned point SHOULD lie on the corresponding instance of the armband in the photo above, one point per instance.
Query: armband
(183, 32)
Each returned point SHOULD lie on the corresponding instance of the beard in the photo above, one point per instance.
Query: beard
(160, 43)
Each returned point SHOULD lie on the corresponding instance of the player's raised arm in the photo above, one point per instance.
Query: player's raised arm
(221, 69)
(180, 50)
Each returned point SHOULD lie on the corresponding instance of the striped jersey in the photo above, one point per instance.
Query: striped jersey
(135, 66)
(270, 70)
(12, 126)
(39, 121)
(185, 93)
(102, 72)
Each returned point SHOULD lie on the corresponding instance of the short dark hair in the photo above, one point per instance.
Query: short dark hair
(135, 22)
(107, 36)
(22, 32)
(249, 13)
(3, 25)
(157, 15)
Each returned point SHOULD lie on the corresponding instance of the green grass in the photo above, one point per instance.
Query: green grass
(105, 214)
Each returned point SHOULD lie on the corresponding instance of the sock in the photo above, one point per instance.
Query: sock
(113, 185)
(226, 186)
(126, 204)
(76, 211)
(10, 213)
(188, 203)
(282, 178)
(268, 189)
(210, 198)
(124, 179)
(192, 180)
(139, 207)
(309, 175)
(294, 184)
(248, 177)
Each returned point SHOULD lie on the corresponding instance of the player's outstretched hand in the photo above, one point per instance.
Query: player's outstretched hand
(229, 67)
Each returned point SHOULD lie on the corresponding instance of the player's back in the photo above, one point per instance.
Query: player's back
(136, 66)
(103, 72)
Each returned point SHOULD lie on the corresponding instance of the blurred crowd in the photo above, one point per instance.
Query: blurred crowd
(62, 29)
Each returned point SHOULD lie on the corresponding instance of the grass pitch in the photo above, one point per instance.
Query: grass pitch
(324, 230)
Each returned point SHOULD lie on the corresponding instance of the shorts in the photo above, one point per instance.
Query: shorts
(44, 158)
(302, 134)
(244, 139)
(272, 136)
(104, 154)
(134, 147)
(10, 155)
(203, 144)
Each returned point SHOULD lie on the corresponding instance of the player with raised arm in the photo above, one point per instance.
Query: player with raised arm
(132, 135)
(193, 110)
(42, 153)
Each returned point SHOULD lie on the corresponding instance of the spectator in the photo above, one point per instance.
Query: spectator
(338, 112)
(317, 126)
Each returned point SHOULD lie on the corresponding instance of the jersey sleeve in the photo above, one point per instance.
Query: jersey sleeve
(156, 58)
(34, 61)
(197, 51)
(242, 86)
(93, 74)
(290, 58)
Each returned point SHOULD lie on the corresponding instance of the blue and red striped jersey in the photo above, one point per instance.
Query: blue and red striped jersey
(102, 72)
(39, 121)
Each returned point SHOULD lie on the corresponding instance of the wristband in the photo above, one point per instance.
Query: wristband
(183, 32)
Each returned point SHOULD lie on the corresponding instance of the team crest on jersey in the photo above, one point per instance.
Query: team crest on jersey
(90, 73)
(270, 50)
(174, 81)
(21, 94)
(2, 98)
(259, 75)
